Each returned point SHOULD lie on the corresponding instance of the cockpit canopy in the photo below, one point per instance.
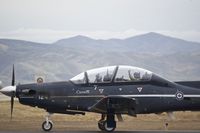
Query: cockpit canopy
(113, 73)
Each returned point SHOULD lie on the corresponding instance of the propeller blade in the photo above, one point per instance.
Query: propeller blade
(10, 91)
(13, 76)
(12, 104)
(13, 92)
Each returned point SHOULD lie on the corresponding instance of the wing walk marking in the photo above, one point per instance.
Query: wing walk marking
(147, 95)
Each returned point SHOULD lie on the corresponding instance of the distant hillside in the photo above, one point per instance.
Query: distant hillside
(170, 57)
(147, 43)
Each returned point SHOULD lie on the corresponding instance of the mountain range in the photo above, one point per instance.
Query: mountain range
(174, 59)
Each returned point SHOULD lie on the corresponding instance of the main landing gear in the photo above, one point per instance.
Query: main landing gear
(47, 125)
(108, 123)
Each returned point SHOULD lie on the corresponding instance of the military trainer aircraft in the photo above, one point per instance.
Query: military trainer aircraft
(110, 91)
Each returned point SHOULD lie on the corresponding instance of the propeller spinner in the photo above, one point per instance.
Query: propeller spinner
(0, 84)
(10, 90)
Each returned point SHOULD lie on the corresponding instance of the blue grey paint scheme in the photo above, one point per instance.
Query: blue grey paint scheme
(63, 96)
(113, 97)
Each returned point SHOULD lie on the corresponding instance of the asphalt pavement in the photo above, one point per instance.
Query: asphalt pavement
(179, 131)
(3, 97)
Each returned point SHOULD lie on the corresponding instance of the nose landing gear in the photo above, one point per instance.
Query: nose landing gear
(101, 122)
(47, 125)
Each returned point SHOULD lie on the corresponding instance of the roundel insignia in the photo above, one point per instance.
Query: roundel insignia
(39, 80)
(179, 95)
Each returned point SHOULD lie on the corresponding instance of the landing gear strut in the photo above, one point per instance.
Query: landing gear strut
(47, 125)
(101, 122)
(108, 124)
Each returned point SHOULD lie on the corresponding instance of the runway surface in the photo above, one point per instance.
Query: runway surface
(3, 97)
(100, 132)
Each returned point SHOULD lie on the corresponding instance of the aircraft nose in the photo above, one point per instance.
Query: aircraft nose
(8, 90)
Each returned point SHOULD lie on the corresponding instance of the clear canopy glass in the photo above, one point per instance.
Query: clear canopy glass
(106, 74)
(100, 75)
(79, 79)
(131, 74)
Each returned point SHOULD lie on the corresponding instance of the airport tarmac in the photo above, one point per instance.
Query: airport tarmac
(28, 120)
(3, 97)
(100, 132)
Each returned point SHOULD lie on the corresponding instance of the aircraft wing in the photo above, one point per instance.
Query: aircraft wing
(120, 105)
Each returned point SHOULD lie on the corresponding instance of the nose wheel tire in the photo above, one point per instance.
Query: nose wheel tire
(47, 125)
(101, 126)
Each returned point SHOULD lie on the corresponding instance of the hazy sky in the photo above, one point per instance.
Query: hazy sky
(49, 20)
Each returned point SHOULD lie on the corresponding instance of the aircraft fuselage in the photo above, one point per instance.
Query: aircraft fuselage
(151, 97)
(110, 91)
